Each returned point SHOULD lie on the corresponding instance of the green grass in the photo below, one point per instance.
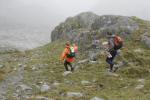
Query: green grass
(102, 85)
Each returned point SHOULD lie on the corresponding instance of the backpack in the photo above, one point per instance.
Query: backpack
(72, 53)
(118, 42)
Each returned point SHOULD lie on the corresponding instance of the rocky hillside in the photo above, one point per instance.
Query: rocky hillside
(90, 22)
(39, 74)
(82, 21)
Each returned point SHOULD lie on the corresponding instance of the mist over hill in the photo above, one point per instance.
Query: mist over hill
(41, 16)
(19, 36)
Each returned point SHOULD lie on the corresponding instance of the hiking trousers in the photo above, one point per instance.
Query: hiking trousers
(110, 60)
(66, 65)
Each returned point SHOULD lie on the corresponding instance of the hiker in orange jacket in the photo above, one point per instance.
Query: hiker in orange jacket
(66, 57)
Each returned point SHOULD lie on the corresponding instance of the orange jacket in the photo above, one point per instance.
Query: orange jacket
(65, 53)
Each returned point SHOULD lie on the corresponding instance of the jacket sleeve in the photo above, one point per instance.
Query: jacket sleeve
(111, 44)
(63, 55)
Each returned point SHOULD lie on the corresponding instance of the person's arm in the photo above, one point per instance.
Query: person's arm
(111, 44)
(63, 56)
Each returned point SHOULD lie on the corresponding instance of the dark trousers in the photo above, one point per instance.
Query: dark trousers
(110, 60)
(66, 65)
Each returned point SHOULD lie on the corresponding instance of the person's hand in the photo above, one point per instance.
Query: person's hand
(109, 55)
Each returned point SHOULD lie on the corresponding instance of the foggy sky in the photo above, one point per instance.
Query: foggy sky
(49, 13)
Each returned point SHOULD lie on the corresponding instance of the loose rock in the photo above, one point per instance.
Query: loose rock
(97, 98)
(66, 73)
(1, 66)
(74, 94)
(45, 88)
(138, 87)
(42, 98)
(85, 82)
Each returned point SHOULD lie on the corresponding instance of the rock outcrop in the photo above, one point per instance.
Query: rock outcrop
(115, 24)
(74, 25)
(90, 23)
(145, 38)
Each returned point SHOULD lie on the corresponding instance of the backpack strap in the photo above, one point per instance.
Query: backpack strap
(71, 49)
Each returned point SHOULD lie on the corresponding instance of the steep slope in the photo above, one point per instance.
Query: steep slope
(42, 65)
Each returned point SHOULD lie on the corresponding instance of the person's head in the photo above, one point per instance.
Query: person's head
(67, 44)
